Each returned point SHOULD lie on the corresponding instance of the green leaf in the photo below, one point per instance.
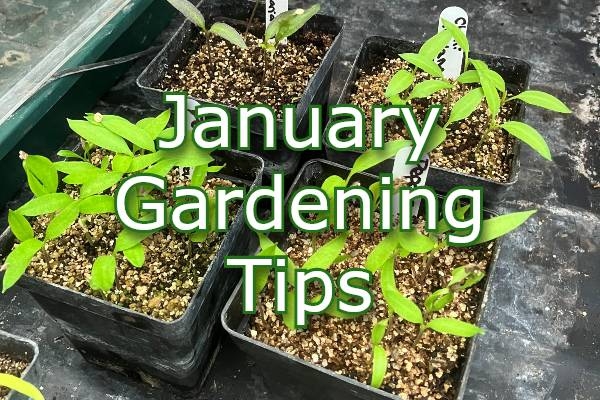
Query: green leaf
(17, 261)
(375, 189)
(465, 106)
(103, 273)
(100, 184)
(128, 238)
(529, 135)
(399, 83)
(45, 204)
(496, 227)
(378, 331)
(469, 76)
(289, 22)
(62, 221)
(19, 385)
(372, 157)
(228, 33)
(427, 88)
(436, 137)
(382, 252)
(121, 163)
(261, 275)
(423, 63)
(99, 135)
(458, 275)
(69, 154)
(434, 45)
(199, 175)
(542, 99)
(128, 131)
(326, 255)
(496, 79)
(402, 306)
(415, 242)
(190, 12)
(42, 176)
(438, 300)
(455, 327)
(154, 126)
(459, 213)
(139, 163)
(458, 35)
(472, 280)
(98, 204)
(19, 226)
(77, 168)
(489, 89)
(136, 255)
(380, 365)
(331, 183)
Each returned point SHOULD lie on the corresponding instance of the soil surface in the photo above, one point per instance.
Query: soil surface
(426, 370)
(12, 366)
(162, 288)
(459, 152)
(225, 74)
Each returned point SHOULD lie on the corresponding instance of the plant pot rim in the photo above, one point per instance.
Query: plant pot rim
(143, 83)
(462, 372)
(30, 343)
(26, 278)
(515, 164)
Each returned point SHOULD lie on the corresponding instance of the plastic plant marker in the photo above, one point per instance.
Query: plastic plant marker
(451, 58)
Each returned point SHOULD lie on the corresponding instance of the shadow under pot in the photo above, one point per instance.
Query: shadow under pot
(19, 356)
(330, 344)
(299, 75)
(178, 351)
(454, 164)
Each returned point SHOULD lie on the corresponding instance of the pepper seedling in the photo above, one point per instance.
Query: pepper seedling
(219, 29)
(401, 89)
(282, 27)
(132, 150)
(462, 279)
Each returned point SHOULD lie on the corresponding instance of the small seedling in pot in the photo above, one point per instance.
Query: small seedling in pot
(220, 29)
(487, 84)
(124, 149)
(282, 27)
(462, 279)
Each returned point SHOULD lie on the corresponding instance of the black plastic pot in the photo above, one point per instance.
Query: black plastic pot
(293, 377)
(317, 90)
(178, 352)
(373, 52)
(23, 349)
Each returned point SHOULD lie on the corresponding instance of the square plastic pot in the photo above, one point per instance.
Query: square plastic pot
(292, 377)
(178, 352)
(21, 348)
(236, 13)
(515, 72)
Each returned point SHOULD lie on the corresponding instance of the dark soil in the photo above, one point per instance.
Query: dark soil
(12, 366)
(228, 75)
(460, 152)
(426, 370)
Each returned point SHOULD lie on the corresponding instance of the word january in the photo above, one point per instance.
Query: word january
(212, 127)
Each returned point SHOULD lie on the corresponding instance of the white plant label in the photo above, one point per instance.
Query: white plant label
(451, 58)
(414, 174)
(274, 8)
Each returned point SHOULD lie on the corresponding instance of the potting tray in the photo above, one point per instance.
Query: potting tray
(542, 322)
(41, 38)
